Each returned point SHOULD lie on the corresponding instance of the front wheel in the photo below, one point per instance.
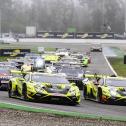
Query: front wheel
(85, 92)
(24, 92)
(99, 96)
(10, 89)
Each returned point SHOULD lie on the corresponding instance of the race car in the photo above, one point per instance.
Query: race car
(5, 76)
(105, 89)
(18, 61)
(62, 52)
(44, 87)
(96, 49)
(50, 58)
(73, 73)
(85, 61)
(70, 60)
(31, 55)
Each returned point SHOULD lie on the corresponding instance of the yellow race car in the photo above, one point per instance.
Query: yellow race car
(44, 87)
(50, 58)
(105, 89)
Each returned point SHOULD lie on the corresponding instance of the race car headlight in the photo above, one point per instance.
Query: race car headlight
(38, 88)
(113, 93)
(72, 92)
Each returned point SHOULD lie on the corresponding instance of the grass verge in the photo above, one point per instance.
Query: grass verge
(118, 65)
(34, 48)
(61, 113)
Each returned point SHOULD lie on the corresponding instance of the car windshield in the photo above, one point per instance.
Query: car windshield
(116, 82)
(49, 79)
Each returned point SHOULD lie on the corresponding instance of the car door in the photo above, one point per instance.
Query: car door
(94, 87)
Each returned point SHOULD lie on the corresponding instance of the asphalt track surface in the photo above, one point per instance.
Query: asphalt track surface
(98, 65)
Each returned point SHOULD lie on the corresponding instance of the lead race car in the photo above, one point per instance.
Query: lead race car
(105, 89)
(44, 87)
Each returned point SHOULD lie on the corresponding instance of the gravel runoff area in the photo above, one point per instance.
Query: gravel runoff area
(21, 118)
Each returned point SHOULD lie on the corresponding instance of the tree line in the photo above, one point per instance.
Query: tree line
(59, 15)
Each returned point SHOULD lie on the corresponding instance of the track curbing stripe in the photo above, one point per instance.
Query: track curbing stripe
(59, 113)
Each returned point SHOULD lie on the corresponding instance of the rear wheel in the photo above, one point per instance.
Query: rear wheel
(10, 89)
(99, 96)
(75, 103)
(16, 91)
(24, 92)
(85, 92)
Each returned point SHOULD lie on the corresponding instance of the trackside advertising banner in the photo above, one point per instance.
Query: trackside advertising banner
(62, 35)
(72, 35)
(95, 35)
(14, 52)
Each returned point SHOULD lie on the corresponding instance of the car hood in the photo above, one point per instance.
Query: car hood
(56, 88)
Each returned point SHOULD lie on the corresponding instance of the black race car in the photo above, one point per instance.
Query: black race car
(72, 73)
(96, 48)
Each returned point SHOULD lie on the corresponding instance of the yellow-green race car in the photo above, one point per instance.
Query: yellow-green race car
(105, 89)
(44, 87)
(50, 58)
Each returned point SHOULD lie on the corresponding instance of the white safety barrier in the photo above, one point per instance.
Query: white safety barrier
(90, 41)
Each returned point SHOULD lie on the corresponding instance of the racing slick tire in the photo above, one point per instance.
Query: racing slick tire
(16, 91)
(85, 92)
(10, 89)
(24, 92)
(74, 103)
(99, 95)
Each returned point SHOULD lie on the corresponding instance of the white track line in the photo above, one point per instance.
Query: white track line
(110, 65)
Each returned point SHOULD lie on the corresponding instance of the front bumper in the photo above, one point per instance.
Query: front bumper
(56, 97)
(114, 100)
(117, 100)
